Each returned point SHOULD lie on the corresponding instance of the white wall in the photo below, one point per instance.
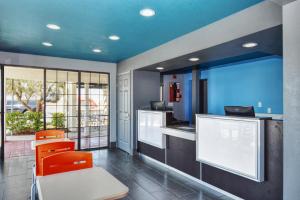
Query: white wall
(256, 18)
(291, 84)
(73, 64)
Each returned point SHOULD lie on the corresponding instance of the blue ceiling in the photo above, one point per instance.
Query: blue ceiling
(86, 24)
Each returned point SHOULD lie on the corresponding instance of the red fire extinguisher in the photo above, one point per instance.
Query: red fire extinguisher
(174, 92)
(178, 93)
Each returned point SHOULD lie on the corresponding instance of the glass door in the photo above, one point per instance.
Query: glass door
(61, 105)
(78, 102)
(94, 109)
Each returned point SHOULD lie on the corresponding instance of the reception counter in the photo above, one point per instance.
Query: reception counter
(233, 144)
(226, 152)
(172, 143)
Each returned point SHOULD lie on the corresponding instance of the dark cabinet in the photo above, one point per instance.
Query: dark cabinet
(181, 154)
(152, 151)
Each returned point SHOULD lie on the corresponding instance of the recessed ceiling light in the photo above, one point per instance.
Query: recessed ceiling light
(97, 50)
(53, 26)
(147, 12)
(47, 44)
(114, 37)
(160, 68)
(193, 59)
(250, 45)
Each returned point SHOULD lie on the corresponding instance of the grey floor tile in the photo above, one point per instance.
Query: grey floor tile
(136, 192)
(145, 181)
(164, 195)
(200, 196)
(1, 191)
(148, 184)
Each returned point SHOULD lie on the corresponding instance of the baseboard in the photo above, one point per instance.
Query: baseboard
(202, 183)
(112, 145)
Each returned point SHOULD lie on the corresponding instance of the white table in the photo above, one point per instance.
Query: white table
(86, 184)
(34, 143)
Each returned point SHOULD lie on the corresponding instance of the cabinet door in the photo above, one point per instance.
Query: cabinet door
(149, 128)
(181, 154)
(154, 132)
(142, 126)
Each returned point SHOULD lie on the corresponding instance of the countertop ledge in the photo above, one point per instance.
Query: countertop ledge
(180, 133)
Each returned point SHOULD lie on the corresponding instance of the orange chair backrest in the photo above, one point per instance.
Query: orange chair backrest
(44, 150)
(67, 161)
(49, 134)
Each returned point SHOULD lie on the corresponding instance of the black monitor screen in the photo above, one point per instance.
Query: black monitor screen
(157, 105)
(242, 111)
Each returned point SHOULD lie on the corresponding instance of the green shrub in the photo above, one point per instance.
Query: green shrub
(58, 120)
(24, 123)
(16, 122)
(29, 122)
(35, 120)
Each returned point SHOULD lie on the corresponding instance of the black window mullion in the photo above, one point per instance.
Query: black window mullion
(67, 99)
(56, 87)
(79, 111)
(44, 93)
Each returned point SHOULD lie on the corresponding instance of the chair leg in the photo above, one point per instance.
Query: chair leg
(33, 192)
(33, 185)
(33, 174)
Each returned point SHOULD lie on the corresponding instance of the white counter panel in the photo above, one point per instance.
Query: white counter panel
(149, 128)
(232, 144)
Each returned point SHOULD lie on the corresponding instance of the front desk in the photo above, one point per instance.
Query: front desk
(233, 144)
(242, 156)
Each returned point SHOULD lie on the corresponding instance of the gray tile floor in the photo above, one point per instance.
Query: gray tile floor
(145, 181)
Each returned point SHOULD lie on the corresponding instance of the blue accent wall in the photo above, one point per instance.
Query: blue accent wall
(244, 84)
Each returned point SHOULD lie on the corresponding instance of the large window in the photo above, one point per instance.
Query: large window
(24, 102)
(67, 91)
(36, 99)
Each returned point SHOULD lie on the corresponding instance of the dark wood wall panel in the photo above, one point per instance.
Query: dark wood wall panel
(181, 154)
(272, 187)
(151, 151)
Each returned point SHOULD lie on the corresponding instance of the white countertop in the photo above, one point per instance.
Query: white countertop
(230, 117)
(188, 135)
(160, 111)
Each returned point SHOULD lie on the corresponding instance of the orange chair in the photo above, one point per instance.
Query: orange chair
(44, 150)
(49, 134)
(66, 161)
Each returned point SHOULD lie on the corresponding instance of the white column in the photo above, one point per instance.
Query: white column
(291, 130)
